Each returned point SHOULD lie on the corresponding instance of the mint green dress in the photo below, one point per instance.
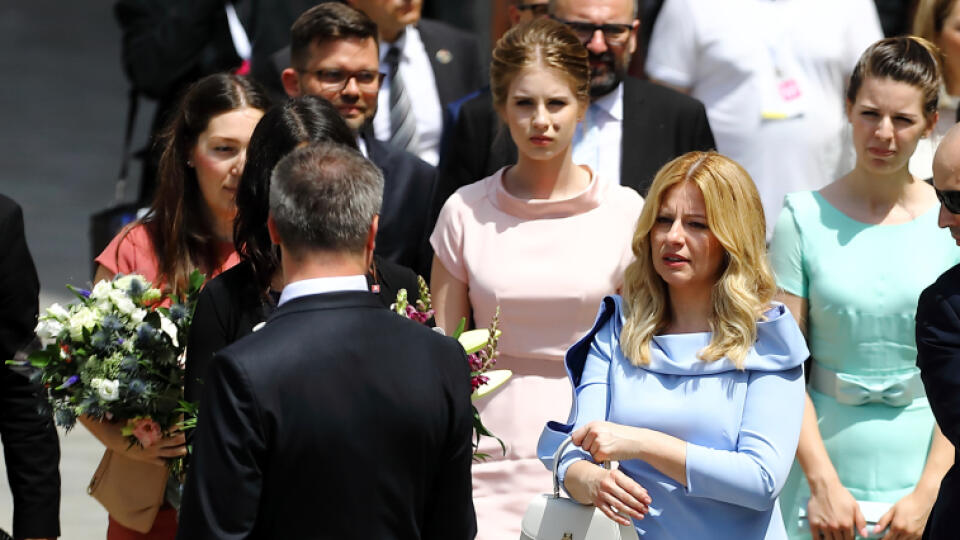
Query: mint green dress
(861, 282)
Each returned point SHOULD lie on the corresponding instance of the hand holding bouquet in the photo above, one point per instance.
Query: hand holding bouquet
(116, 355)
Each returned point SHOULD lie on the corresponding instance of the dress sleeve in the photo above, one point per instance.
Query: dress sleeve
(753, 474)
(672, 53)
(592, 394)
(786, 253)
(208, 334)
(126, 254)
(447, 238)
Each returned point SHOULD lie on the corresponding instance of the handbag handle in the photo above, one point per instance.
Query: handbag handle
(556, 465)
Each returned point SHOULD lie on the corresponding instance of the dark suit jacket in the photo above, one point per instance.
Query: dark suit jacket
(455, 59)
(409, 183)
(659, 124)
(30, 446)
(938, 357)
(230, 305)
(316, 427)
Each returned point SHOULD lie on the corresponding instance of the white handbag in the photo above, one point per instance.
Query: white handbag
(552, 517)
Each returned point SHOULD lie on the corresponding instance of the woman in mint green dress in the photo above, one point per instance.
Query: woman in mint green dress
(852, 259)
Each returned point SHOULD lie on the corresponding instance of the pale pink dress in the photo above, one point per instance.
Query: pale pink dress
(548, 264)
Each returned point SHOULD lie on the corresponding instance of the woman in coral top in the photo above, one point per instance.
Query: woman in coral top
(189, 226)
(544, 239)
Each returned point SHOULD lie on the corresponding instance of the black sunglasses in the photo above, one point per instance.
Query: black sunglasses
(950, 199)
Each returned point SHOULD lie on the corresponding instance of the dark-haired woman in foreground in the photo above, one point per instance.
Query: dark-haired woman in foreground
(187, 227)
(231, 305)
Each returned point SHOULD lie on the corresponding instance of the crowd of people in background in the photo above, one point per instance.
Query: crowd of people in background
(759, 197)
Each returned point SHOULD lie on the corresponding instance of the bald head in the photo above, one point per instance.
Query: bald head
(946, 162)
(946, 178)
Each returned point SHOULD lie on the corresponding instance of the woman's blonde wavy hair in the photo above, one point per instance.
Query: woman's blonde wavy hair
(745, 286)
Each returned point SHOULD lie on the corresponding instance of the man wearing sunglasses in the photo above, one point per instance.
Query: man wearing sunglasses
(938, 338)
(334, 55)
(632, 127)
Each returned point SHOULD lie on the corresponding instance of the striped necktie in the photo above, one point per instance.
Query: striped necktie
(403, 125)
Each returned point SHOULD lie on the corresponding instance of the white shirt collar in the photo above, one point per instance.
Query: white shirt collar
(306, 287)
(400, 43)
(612, 103)
(362, 146)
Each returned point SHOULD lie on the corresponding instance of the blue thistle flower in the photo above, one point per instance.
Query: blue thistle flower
(84, 292)
(146, 335)
(137, 387)
(111, 323)
(129, 363)
(178, 312)
(136, 288)
(64, 418)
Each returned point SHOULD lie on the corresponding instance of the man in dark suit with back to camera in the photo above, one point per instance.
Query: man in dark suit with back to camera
(632, 128)
(334, 55)
(339, 418)
(30, 445)
(938, 341)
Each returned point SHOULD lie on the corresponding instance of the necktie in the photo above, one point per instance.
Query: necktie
(403, 125)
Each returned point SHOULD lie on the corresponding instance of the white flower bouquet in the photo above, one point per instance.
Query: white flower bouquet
(116, 355)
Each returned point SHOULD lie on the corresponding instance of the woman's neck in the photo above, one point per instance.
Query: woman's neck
(690, 310)
(879, 193)
(556, 178)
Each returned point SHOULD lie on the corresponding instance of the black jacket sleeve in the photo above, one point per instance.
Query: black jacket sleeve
(450, 505)
(228, 459)
(938, 357)
(30, 446)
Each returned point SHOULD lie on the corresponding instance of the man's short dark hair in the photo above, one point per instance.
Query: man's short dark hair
(327, 22)
(323, 197)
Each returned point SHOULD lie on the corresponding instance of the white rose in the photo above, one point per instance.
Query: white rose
(126, 281)
(138, 315)
(85, 318)
(170, 329)
(58, 312)
(123, 302)
(109, 390)
(101, 290)
(48, 330)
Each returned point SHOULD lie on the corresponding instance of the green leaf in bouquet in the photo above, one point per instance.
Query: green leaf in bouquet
(83, 296)
(480, 430)
(39, 359)
(460, 327)
(197, 279)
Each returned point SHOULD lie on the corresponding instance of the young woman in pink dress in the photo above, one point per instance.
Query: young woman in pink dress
(189, 226)
(545, 240)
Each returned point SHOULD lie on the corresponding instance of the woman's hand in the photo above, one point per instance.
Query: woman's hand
(833, 512)
(111, 435)
(606, 441)
(171, 446)
(906, 518)
(613, 492)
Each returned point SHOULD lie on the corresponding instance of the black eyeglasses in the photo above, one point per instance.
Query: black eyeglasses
(950, 199)
(613, 33)
(538, 10)
(338, 78)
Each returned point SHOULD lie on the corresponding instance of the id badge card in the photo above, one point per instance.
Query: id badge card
(784, 94)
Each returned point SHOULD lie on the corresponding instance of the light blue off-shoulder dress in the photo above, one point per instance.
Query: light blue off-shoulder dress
(741, 426)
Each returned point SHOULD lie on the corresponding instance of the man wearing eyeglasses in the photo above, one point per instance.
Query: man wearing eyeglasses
(938, 339)
(334, 55)
(631, 129)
